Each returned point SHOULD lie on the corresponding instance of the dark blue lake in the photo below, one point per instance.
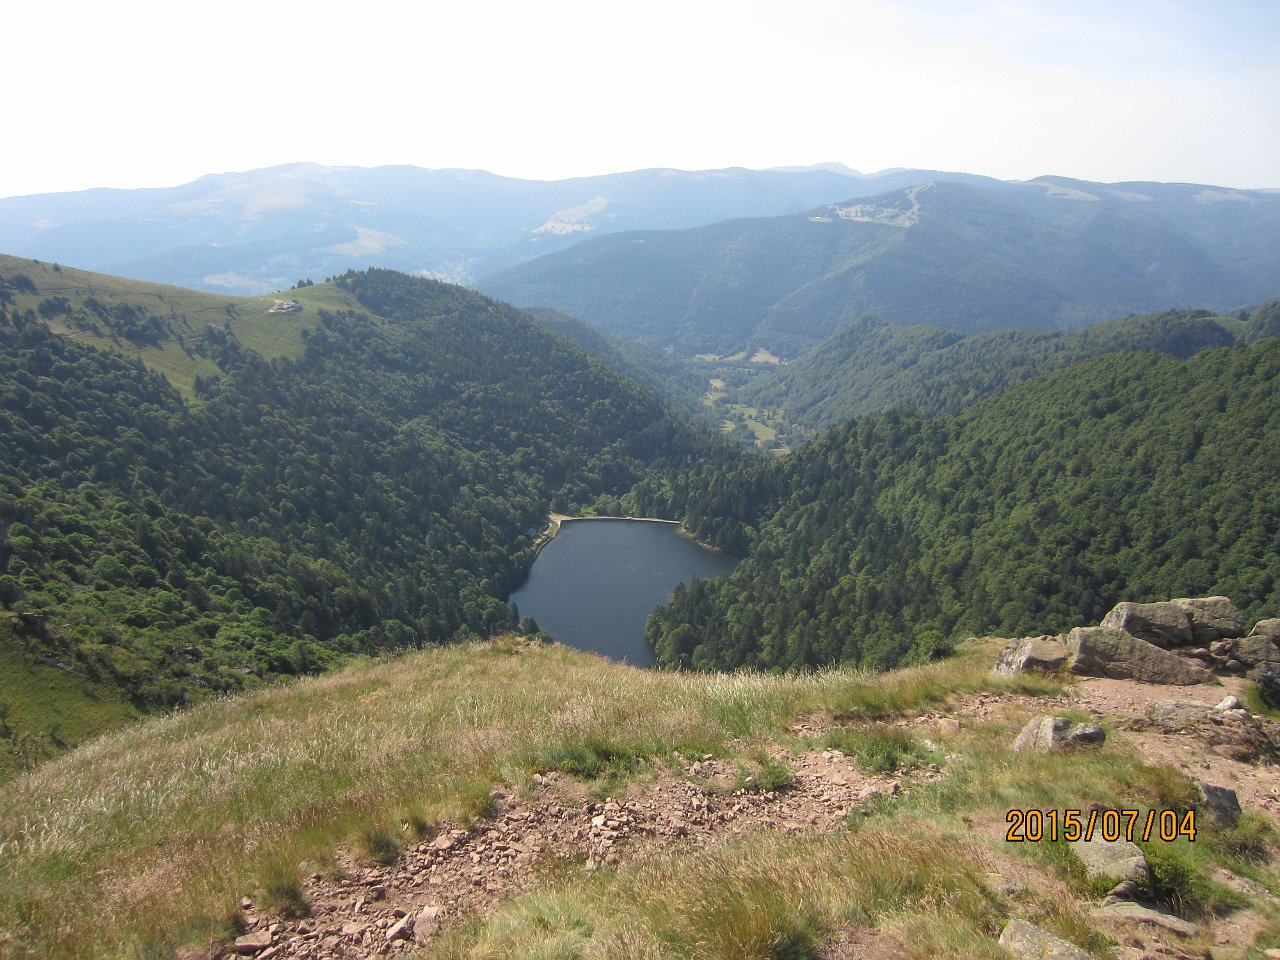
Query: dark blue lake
(596, 583)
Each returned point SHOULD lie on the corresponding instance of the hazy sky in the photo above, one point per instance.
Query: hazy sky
(135, 93)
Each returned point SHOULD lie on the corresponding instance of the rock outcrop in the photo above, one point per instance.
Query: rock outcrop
(1164, 624)
(1232, 733)
(1179, 623)
(1112, 860)
(1180, 642)
(1028, 942)
(1043, 734)
(1111, 652)
(1132, 913)
(1256, 651)
(1219, 805)
(1043, 653)
(1266, 628)
(1213, 618)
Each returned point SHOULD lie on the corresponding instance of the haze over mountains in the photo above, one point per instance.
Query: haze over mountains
(263, 229)
(1048, 254)
(730, 258)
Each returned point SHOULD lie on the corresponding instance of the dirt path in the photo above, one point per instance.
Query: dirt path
(555, 826)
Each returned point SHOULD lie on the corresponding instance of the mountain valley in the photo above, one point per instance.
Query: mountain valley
(263, 688)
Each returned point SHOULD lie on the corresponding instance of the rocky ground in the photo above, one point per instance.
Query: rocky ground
(373, 911)
(555, 825)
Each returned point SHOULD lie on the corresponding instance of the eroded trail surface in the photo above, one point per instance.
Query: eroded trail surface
(461, 873)
(555, 826)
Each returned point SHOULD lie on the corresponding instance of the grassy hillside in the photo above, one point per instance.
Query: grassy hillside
(146, 839)
(164, 326)
(45, 707)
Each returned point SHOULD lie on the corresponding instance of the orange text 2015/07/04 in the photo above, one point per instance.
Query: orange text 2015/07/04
(1033, 826)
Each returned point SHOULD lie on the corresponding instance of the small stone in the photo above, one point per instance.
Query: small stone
(442, 842)
(948, 724)
(1228, 703)
(245, 903)
(253, 942)
(1053, 733)
(402, 929)
(1124, 890)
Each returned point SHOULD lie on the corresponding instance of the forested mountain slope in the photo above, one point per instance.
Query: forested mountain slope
(964, 257)
(1130, 476)
(666, 376)
(871, 365)
(379, 491)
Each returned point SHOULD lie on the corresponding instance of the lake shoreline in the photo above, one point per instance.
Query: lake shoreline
(555, 520)
(596, 590)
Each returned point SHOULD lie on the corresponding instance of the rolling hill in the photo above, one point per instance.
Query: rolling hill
(262, 230)
(964, 257)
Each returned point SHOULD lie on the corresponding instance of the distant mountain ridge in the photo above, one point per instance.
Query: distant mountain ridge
(1048, 254)
(260, 230)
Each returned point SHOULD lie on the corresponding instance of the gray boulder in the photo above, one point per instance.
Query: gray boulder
(1173, 716)
(1112, 860)
(1213, 618)
(1266, 628)
(1028, 942)
(1031, 653)
(1219, 805)
(1256, 651)
(1109, 652)
(1043, 734)
(1164, 624)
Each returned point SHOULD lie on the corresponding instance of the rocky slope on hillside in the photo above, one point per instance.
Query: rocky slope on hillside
(1131, 689)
